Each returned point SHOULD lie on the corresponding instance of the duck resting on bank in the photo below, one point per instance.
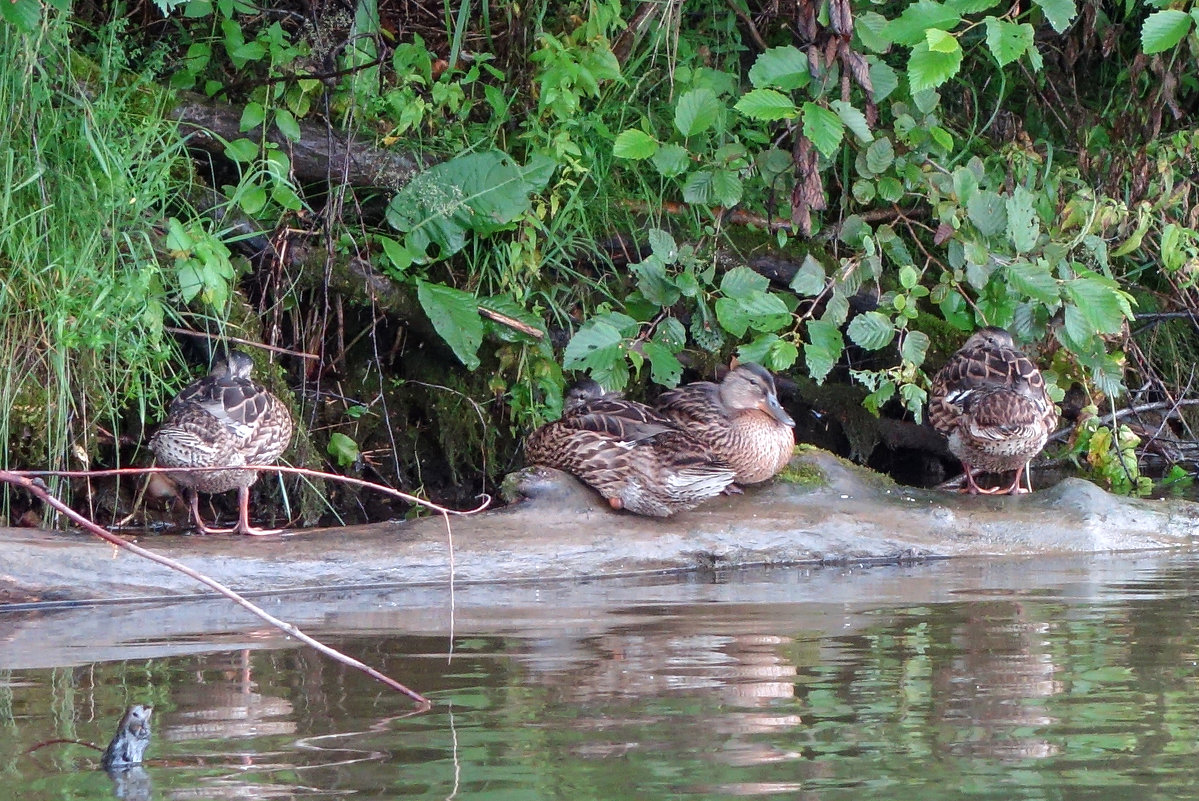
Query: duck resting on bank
(223, 420)
(990, 401)
(739, 419)
(629, 453)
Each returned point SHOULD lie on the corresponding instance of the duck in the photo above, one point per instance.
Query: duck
(991, 403)
(739, 419)
(633, 456)
(224, 419)
(128, 745)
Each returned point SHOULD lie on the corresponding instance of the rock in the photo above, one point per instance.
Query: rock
(822, 509)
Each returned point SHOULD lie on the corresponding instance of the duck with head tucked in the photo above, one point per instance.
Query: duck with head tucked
(223, 420)
(629, 453)
(990, 401)
(739, 419)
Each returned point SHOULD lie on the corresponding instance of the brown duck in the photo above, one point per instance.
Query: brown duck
(739, 419)
(223, 420)
(990, 402)
(629, 453)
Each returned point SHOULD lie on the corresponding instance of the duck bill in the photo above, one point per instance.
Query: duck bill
(772, 408)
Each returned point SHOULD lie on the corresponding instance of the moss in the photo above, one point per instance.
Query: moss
(804, 472)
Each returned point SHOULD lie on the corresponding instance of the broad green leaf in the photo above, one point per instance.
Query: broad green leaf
(634, 144)
(507, 306)
(1100, 302)
(854, 120)
(836, 310)
(810, 279)
(869, 28)
(671, 160)
(398, 256)
(285, 121)
(890, 188)
(698, 188)
(871, 330)
(908, 277)
(941, 42)
(1164, 29)
(477, 192)
(760, 311)
(252, 116)
(24, 14)
(914, 398)
(1008, 41)
(876, 399)
(662, 245)
(988, 213)
(883, 78)
(696, 111)
(928, 69)
(783, 68)
(596, 345)
(665, 368)
(1035, 281)
(242, 150)
(767, 105)
(863, 191)
(880, 155)
(971, 6)
(1060, 13)
(726, 187)
(670, 334)
(742, 282)
(1023, 226)
(910, 26)
(915, 347)
(343, 449)
(705, 329)
(653, 282)
(823, 127)
(823, 349)
(455, 316)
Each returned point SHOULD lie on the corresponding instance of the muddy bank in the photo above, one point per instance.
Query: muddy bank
(827, 510)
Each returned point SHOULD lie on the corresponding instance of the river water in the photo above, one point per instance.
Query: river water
(1046, 678)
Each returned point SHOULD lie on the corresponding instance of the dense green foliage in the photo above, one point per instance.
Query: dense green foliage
(926, 168)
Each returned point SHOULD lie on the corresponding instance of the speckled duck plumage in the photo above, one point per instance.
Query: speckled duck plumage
(629, 453)
(990, 401)
(128, 745)
(739, 419)
(223, 420)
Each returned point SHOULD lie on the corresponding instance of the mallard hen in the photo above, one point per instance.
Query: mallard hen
(739, 419)
(991, 403)
(223, 420)
(628, 453)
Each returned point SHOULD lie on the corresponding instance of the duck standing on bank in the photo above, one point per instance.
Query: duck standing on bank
(223, 420)
(629, 453)
(739, 419)
(990, 401)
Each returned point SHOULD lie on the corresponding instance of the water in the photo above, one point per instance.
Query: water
(1006, 679)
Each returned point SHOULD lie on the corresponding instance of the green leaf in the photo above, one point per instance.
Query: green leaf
(880, 155)
(696, 111)
(783, 68)
(671, 160)
(1100, 303)
(909, 27)
(671, 335)
(1007, 40)
(742, 282)
(823, 127)
(823, 349)
(285, 121)
(662, 245)
(941, 42)
(726, 187)
(665, 368)
(869, 28)
(242, 151)
(915, 347)
(507, 306)
(343, 449)
(883, 78)
(760, 311)
(455, 316)
(397, 255)
(698, 188)
(854, 120)
(634, 144)
(871, 330)
(595, 346)
(26, 15)
(477, 192)
(1060, 13)
(252, 116)
(928, 69)
(705, 329)
(988, 212)
(1023, 226)
(810, 279)
(767, 105)
(1034, 281)
(1164, 29)
(654, 283)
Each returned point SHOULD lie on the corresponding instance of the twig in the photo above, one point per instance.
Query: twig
(246, 342)
(749, 23)
(1120, 415)
(38, 489)
(504, 319)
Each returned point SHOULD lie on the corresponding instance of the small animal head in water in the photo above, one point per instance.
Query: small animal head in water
(129, 743)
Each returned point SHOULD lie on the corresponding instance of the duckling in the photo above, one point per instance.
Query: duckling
(628, 453)
(739, 419)
(990, 401)
(223, 420)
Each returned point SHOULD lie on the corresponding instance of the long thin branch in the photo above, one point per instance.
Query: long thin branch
(1108, 419)
(38, 489)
